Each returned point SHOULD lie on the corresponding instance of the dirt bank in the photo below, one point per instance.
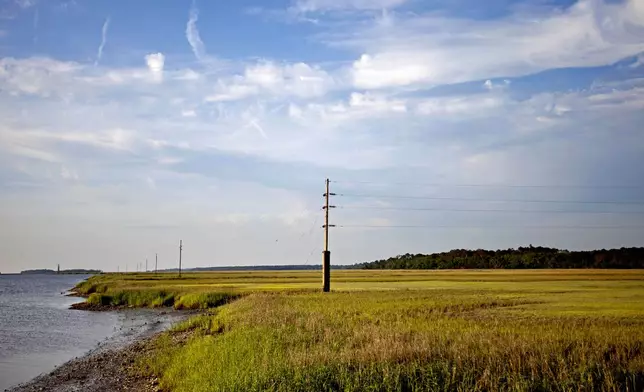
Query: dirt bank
(110, 366)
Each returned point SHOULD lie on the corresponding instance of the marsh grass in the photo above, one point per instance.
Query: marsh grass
(399, 341)
(412, 331)
(160, 298)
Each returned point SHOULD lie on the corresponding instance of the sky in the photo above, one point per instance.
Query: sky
(128, 126)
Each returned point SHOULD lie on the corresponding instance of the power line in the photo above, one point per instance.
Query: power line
(308, 258)
(493, 185)
(491, 200)
(486, 210)
(309, 231)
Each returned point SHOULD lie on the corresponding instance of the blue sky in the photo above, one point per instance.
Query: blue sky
(127, 126)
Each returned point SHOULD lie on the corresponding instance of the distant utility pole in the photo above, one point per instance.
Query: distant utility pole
(146, 264)
(58, 270)
(180, 249)
(326, 255)
(156, 262)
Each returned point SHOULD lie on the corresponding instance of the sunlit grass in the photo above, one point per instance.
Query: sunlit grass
(353, 279)
(563, 330)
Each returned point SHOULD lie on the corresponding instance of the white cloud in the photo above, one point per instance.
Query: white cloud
(188, 113)
(265, 75)
(36, 76)
(375, 103)
(192, 34)
(274, 80)
(393, 69)
(99, 54)
(232, 92)
(471, 106)
(188, 74)
(139, 141)
(155, 62)
(429, 50)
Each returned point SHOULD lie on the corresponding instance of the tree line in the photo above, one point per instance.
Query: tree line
(522, 258)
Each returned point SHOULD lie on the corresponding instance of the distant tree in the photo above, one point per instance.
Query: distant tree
(522, 258)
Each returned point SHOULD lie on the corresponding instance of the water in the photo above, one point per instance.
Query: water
(38, 331)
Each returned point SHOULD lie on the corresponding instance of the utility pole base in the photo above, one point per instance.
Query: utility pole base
(326, 271)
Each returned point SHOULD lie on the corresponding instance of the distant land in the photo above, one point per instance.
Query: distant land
(529, 257)
(522, 258)
(62, 272)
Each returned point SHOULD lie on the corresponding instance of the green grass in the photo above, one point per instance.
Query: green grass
(563, 330)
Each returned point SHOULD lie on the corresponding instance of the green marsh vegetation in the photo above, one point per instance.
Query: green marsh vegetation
(524, 330)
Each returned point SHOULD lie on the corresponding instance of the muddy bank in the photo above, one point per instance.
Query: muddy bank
(110, 366)
(96, 308)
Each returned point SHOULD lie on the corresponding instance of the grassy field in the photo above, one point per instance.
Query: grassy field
(542, 330)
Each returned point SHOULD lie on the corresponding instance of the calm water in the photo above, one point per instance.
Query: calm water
(38, 331)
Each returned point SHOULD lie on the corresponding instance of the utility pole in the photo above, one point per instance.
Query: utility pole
(146, 264)
(58, 270)
(180, 249)
(156, 262)
(326, 255)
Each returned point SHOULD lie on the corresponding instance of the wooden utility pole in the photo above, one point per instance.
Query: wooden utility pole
(146, 264)
(180, 249)
(156, 262)
(326, 254)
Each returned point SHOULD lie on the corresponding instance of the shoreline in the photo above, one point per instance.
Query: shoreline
(110, 366)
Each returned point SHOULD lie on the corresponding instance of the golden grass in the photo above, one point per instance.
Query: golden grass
(559, 330)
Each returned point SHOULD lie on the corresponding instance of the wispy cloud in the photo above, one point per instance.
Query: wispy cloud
(25, 3)
(425, 49)
(99, 54)
(253, 123)
(192, 33)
